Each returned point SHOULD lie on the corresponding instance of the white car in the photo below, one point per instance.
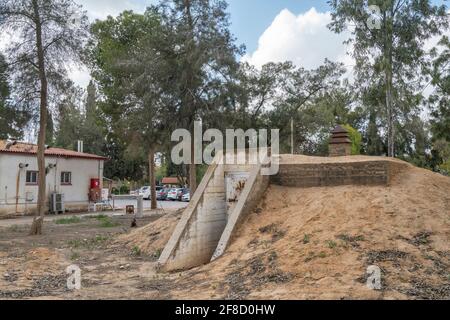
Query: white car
(145, 192)
(186, 197)
(174, 194)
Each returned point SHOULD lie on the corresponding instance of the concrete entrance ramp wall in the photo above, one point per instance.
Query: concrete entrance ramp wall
(250, 197)
(225, 195)
(197, 233)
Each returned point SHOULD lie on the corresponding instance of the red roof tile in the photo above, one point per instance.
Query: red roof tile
(28, 148)
(170, 180)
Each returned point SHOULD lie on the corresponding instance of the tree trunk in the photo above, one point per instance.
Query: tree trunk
(388, 84)
(390, 115)
(151, 167)
(36, 227)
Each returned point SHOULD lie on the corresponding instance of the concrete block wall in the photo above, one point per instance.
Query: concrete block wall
(333, 174)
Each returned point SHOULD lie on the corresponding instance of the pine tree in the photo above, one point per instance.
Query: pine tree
(50, 34)
(388, 42)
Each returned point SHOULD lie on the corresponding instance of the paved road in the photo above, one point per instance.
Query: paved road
(166, 205)
(120, 210)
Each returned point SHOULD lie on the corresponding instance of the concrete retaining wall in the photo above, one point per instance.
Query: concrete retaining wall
(333, 174)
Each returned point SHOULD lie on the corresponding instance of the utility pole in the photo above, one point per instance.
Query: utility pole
(292, 135)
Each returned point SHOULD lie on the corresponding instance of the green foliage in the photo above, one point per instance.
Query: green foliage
(356, 139)
(12, 119)
(121, 51)
(70, 118)
(439, 103)
(97, 217)
(441, 148)
(161, 171)
(124, 189)
(201, 170)
(306, 238)
(163, 69)
(62, 45)
(389, 63)
(136, 251)
(74, 256)
(331, 244)
(445, 168)
(157, 253)
(14, 228)
(107, 222)
(71, 220)
(91, 243)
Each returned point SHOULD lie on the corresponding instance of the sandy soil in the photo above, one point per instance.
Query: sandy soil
(311, 243)
(317, 243)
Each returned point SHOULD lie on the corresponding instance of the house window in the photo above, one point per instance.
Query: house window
(66, 178)
(32, 178)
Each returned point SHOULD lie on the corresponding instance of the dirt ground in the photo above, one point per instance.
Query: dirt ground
(314, 243)
(34, 267)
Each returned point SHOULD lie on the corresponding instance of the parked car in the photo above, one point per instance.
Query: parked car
(162, 194)
(174, 194)
(186, 197)
(183, 192)
(145, 192)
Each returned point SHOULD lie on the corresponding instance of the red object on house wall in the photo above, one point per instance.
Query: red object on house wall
(95, 195)
(95, 183)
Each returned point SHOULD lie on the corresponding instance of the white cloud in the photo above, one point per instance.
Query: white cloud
(304, 39)
(100, 9)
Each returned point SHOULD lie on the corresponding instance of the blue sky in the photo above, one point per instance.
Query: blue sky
(250, 18)
(272, 30)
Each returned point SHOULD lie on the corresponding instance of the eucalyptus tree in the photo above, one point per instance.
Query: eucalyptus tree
(388, 38)
(48, 35)
(440, 104)
(205, 61)
(440, 98)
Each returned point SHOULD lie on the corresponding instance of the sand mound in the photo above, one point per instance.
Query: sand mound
(152, 238)
(317, 243)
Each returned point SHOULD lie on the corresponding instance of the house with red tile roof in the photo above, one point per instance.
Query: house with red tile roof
(69, 173)
(173, 181)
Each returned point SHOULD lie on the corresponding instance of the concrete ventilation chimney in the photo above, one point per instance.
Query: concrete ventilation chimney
(340, 143)
(80, 146)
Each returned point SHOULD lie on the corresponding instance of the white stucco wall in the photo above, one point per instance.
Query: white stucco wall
(76, 195)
